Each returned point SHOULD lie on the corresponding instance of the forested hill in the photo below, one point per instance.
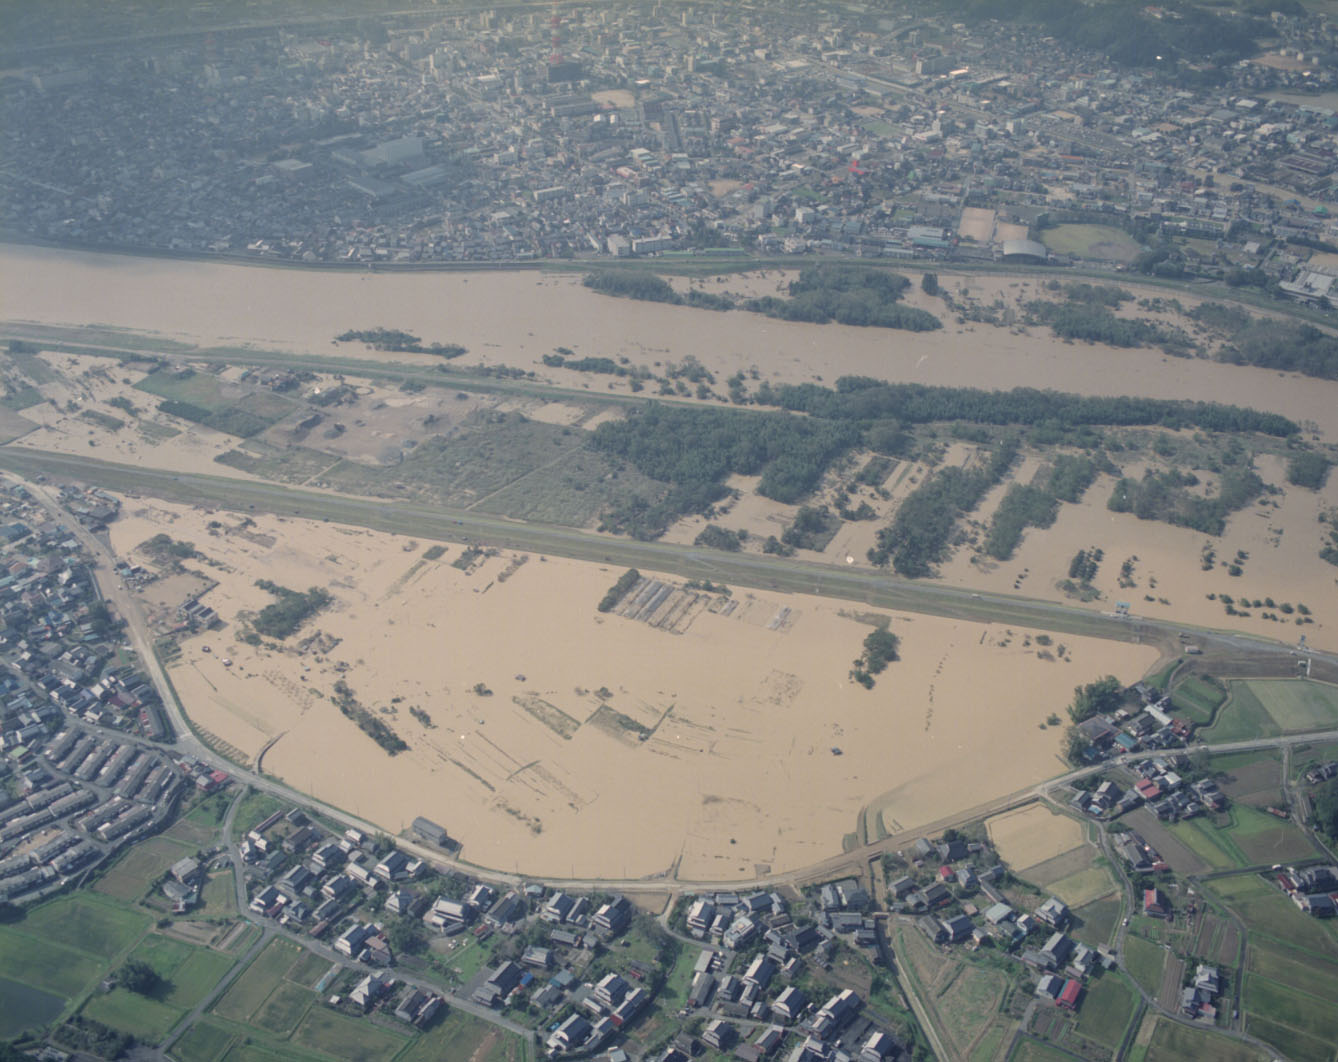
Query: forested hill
(1126, 33)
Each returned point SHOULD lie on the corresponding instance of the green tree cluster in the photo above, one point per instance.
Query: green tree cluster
(1096, 698)
(713, 536)
(284, 616)
(1289, 345)
(395, 340)
(1164, 496)
(847, 294)
(1308, 469)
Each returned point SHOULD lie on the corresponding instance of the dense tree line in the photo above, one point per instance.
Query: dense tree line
(369, 723)
(695, 449)
(1165, 496)
(847, 294)
(628, 285)
(862, 398)
(917, 538)
(1286, 345)
(1022, 507)
(619, 590)
(812, 528)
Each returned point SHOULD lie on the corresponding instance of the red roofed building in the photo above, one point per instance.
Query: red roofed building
(1068, 996)
(1148, 789)
(1154, 903)
(947, 873)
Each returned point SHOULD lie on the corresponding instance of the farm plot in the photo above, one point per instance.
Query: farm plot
(1107, 1010)
(1144, 960)
(1033, 835)
(142, 1017)
(131, 875)
(1173, 1042)
(1297, 704)
(1241, 718)
(207, 400)
(254, 986)
(1269, 913)
(346, 1038)
(86, 923)
(1303, 1025)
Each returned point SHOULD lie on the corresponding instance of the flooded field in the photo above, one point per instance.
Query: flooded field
(715, 742)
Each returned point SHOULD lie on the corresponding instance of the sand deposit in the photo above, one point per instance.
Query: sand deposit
(606, 747)
(515, 318)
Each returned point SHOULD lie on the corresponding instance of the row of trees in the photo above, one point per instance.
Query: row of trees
(863, 398)
(917, 538)
(1037, 505)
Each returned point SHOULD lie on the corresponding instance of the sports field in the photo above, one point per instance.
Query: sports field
(1092, 241)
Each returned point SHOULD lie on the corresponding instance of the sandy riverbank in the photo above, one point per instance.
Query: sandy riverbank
(547, 773)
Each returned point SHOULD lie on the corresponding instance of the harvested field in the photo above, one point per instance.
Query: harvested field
(1033, 834)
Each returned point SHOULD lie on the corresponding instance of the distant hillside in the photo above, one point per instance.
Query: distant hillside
(1127, 33)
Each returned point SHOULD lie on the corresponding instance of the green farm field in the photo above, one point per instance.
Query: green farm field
(254, 986)
(144, 1018)
(1107, 1010)
(1097, 920)
(1250, 838)
(1172, 1042)
(1297, 704)
(131, 875)
(285, 1007)
(1314, 1019)
(87, 923)
(203, 1042)
(346, 1038)
(1197, 699)
(1144, 960)
(462, 1036)
(1270, 914)
(48, 966)
(1241, 718)
(970, 1002)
